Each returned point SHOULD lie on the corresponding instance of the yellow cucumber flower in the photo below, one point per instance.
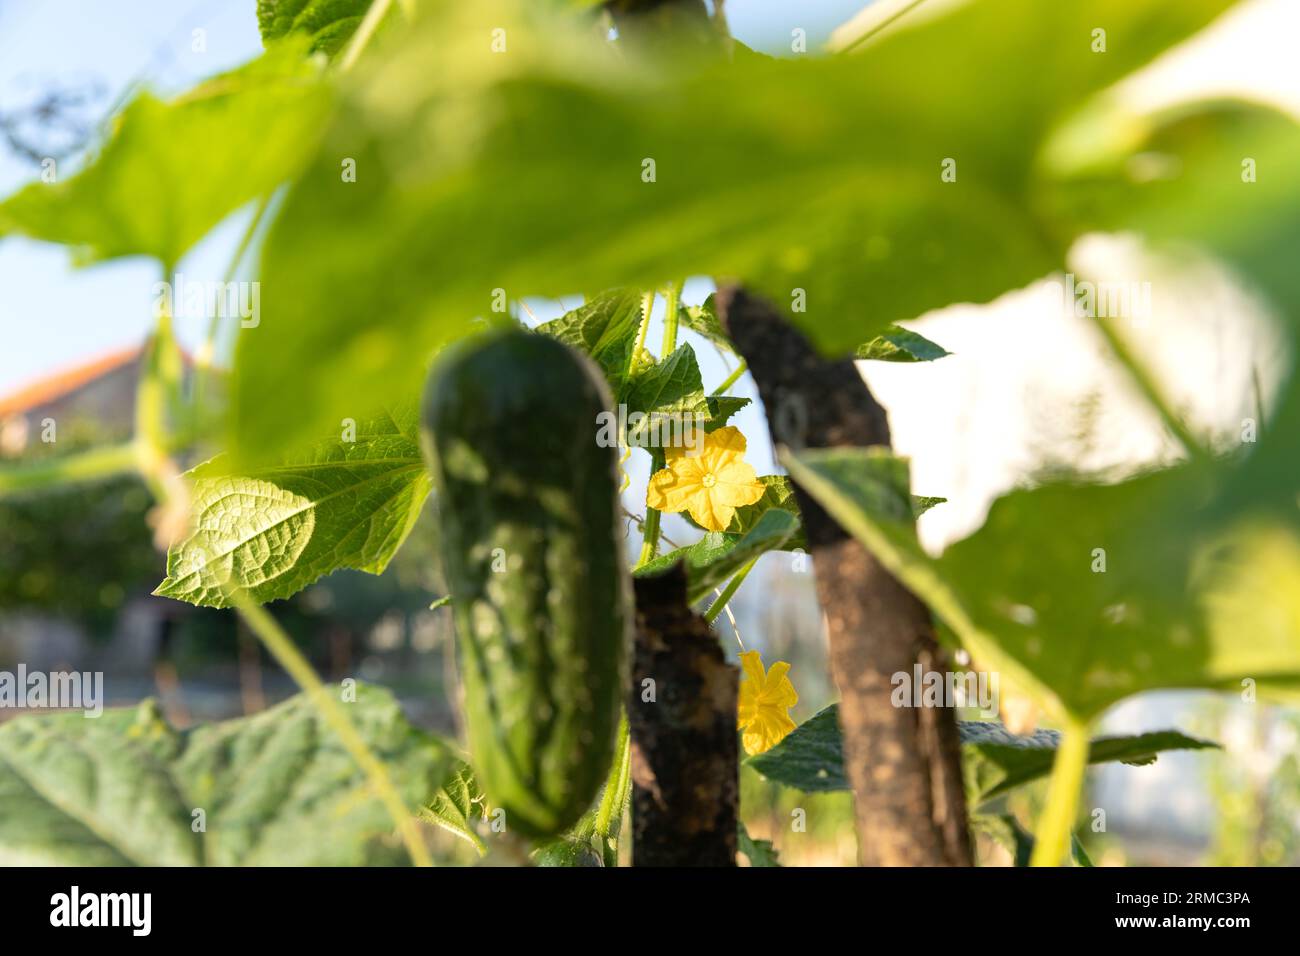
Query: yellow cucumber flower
(710, 485)
(765, 701)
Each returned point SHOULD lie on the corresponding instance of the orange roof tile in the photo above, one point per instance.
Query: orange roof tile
(61, 383)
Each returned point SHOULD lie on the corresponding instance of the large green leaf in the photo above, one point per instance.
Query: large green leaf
(995, 760)
(718, 555)
(275, 530)
(171, 170)
(1087, 593)
(1214, 175)
(275, 789)
(524, 172)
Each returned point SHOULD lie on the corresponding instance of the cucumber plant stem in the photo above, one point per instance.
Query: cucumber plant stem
(1150, 389)
(84, 466)
(728, 592)
(650, 532)
(282, 648)
(369, 23)
(1056, 824)
(732, 379)
(672, 302)
(614, 798)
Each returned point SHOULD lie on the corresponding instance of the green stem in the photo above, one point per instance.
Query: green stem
(283, 650)
(88, 465)
(731, 379)
(650, 536)
(1150, 390)
(232, 269)
(369, 23)
(1056, 824)
(864, 37)
(159, 383)
(614, 798)
(672, 310)
(733, 585)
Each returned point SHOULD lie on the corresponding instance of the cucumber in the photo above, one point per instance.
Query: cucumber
(532, 552)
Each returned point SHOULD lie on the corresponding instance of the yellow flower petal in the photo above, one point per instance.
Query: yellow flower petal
(737, 484)
(727, 439)
(765, 699)
(709, 513)
(751, 662)
(670, 491)
(710, 485)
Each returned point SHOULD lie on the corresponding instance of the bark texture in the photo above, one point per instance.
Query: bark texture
(904, 763)
(684, 760)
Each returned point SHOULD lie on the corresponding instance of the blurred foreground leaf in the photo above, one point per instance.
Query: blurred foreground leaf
(275, 789)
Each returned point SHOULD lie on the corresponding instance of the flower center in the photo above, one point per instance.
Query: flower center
(710, 480)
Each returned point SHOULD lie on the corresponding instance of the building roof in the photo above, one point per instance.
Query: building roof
(63, 382)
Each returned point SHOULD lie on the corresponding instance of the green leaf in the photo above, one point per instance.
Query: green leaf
(1005, 830)
(458, 803)
(923, 503)
(671, 387)
(777, 493)
(758, 852)
(171, 171)
(329, 23)
(718, 410)
(605, 328)
(276, 788)
(811, 758)
(545, 195)
(703, 319)
(898, 344)
(1178, 177)
(998, 760)
(275, 530)
(717, 556)
(1028, 596)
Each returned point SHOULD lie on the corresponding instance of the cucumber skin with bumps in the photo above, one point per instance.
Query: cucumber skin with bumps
(509, 423)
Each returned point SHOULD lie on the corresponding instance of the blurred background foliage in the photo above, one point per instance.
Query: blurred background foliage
(478, 171)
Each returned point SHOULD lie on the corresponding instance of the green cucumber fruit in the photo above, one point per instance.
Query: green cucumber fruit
(528, 506)
(568, 853)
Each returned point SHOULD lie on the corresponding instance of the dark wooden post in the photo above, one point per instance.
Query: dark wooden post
(904, 763)
(682, 725)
